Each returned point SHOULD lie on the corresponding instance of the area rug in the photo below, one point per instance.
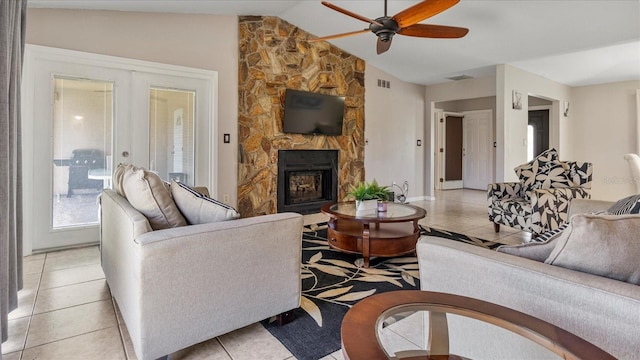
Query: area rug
(333, 281)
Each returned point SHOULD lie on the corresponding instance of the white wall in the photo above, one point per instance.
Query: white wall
(511, 124)
(200, 41)
(394, 122)
(602, 128)
(455, 90)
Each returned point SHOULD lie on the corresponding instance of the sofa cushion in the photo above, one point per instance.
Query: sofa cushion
(146, 192)
(604, 245)
(198, 208)
(628, 205)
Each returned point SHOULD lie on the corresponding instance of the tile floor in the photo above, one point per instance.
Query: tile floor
(66, 310)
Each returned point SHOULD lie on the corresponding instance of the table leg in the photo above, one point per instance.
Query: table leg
(365, 245)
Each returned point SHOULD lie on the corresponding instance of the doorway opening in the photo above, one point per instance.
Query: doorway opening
(538, 128)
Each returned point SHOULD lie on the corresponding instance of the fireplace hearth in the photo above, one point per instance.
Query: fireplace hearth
(307, 179)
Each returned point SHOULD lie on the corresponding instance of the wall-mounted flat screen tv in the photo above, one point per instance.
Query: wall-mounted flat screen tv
(311, 113)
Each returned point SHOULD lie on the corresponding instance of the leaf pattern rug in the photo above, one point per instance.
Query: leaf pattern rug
(333, 281)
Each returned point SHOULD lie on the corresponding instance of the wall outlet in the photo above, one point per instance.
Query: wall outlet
(225, 198)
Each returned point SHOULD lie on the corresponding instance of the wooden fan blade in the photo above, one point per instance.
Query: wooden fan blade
(349, 13)
(422, 10)
(383, 46)
(337, 36)
(434, 31)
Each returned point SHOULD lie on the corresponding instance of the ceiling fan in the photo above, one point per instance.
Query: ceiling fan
(404, 23)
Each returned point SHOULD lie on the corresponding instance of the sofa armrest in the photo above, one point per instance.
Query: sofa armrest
(602, 311)
(585, 206)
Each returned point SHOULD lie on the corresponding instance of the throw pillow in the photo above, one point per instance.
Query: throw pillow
(628, 205)
(604, 245)
(146, 192)
(118, 177)
(538, 249)
(198, 208)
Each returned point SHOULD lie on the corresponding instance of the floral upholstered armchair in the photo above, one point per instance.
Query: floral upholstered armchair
(539, 202)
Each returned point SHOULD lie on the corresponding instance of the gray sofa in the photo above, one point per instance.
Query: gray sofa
(181, 286)
(603, 311)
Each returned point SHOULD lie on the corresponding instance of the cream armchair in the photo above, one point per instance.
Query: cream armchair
(541, 202)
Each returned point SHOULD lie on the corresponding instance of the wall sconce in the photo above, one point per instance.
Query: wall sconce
(565, 110)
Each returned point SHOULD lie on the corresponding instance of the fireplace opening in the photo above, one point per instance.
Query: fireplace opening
(307, 179)
(305, 186)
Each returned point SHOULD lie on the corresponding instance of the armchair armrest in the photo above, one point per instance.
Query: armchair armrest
(552, 206)
(497, 191)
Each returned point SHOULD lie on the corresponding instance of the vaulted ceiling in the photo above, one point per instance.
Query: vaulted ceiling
(573, 42)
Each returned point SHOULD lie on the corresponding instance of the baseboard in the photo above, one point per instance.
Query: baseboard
(421, 198)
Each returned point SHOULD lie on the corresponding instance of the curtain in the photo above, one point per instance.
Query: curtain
(12, 36)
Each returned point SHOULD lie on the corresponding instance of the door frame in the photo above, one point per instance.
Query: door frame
(33, 53)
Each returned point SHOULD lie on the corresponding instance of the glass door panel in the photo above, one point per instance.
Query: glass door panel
(171, 134)
(82, 137)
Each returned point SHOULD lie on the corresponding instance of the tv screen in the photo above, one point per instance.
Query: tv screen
(311, 113)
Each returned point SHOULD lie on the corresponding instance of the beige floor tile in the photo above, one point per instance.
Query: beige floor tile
(208, 350)
(126, 341)
(315, 218)
(17, 335)
(488, 233)
(26, 296)
(103, 344)
(253, 342)
(33, 267)
(33, 257)
(393, 342)
(338, 355)
(69, 322)
(75, 275)
(517, 238)
(412, 328)
(71, 295)
(13, 356)
(72, 258)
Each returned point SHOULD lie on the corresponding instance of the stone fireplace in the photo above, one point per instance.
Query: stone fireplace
(274, 56)
(307, 179)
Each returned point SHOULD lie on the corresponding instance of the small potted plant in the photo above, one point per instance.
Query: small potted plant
(367, 195)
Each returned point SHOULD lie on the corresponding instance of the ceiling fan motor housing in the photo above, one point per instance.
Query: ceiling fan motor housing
(385, 32)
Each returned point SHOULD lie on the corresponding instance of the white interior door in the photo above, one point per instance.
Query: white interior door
(478, 149)
(84, 113)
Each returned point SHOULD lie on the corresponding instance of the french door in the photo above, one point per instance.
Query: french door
(83, 115)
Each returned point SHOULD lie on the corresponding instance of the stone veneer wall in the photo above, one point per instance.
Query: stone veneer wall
(273, 56)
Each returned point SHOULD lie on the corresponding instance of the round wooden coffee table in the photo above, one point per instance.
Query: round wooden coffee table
(362, 324)
(372, 233)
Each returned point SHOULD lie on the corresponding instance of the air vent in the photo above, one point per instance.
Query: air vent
(460, 77)
(384, 83)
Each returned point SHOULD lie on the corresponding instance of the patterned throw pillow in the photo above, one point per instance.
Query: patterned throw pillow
(198, 208)
(628, 205)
